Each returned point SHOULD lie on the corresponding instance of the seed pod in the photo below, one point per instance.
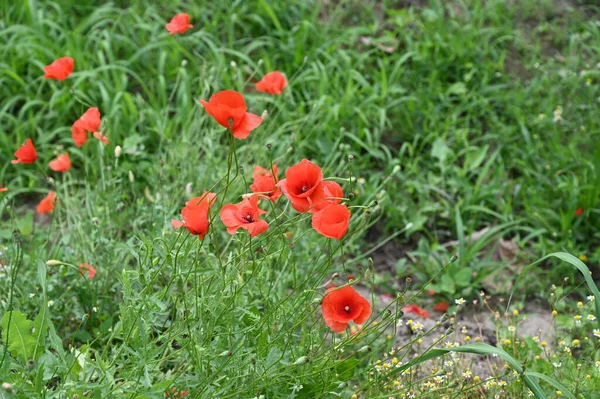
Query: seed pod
(302, 360)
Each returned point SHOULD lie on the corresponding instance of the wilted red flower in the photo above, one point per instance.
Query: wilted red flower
(244, 215)
(85, 268)
(61, 163)
(303, 185)
(3, 189)
(272, 83)
(47, 204)
(195, 214)
(100, 136)
(340, 306)
(578, 212)
(265, 183)
(332, 221)
(332, 194)
(229, 110)
(180, 23)
(431, 292)
(441, 307)
(26, 153)
(416, 310)
(59, 69)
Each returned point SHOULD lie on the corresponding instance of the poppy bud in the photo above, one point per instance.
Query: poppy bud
(350, 158)
(131, 177)
(30, 364)
(365, 349)
(226, 353)
(264, 115)
(233, 64)
(268, 144)
(449, 331)
(7, 387)
(302, 360)
(342, 385)
(53, 262)
(118, 151)
(396, 169)
(454, 258)
(351, 196)
(188, 188)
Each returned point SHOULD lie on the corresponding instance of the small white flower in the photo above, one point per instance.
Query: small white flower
(467, 374)
(511, 328)
(460, 301)
(32, 295)
(557, 365)
(591, 298)
(536, 339)
(558, 114)
(448, 363)
(94, 309)
(596, 333)
(591, 317)
(50, 303)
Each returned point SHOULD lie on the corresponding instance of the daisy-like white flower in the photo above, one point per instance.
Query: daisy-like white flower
(596, 333)
(460, 301)
(577, 319)
(591, 298)
(467, 374)
(511, 328)
(536, 339)
(591, 317)
(438, 379)
(50, 303)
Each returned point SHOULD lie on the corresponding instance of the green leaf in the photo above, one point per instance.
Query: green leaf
(345, 369)
(40, 332)
(440, 150)
(16, 333)
(462, 278)
(579, 265)
(475, 157)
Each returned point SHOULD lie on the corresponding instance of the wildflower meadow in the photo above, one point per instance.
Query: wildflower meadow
(267, 199)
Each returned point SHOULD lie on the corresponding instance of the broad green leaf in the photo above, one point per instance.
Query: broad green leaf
(16, 332)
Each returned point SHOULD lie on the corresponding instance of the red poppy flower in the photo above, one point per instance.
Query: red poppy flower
(416, 310)
(441, 307)
(229, 110)
(60, 69)
(578, 212)
(332, 221)
(90, 120)
(265, 184)
(340, 306)
(100, 136)
(47, 204)
(303, 185)
(84, 269)
(195, 214)
(61, 163)
(78, 133)
(272, 83)
(26, 153)
(244, 215)
(180, 23)
(3, 189)
(332, 194)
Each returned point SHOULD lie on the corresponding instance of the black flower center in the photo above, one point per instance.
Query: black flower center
(249, 218)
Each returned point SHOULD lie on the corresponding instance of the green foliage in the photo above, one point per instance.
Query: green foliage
(25, 339)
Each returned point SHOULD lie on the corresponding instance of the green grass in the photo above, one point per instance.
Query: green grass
(443, 111)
